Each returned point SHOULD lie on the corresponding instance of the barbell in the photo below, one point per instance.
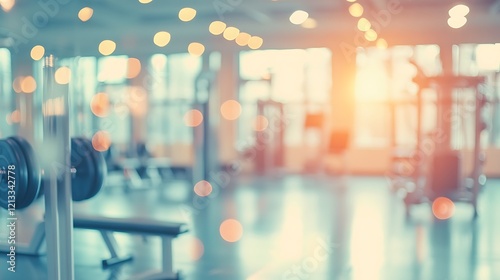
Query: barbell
(22, 178)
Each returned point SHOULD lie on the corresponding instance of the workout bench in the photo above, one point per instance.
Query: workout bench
(107, 226)
(167, 232)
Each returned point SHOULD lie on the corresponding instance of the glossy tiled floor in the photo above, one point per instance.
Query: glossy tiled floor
(294, 227)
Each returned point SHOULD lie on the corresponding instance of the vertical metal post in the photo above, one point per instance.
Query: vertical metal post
(167, 260)
(56, 162)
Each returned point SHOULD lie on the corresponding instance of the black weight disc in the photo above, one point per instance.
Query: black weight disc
(11, 155)
(34, 172)
(100, 168)
(83, 180)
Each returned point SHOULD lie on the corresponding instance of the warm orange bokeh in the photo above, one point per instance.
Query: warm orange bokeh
(101, 141)
(261, 123)
(230, 110)
(99, 105)
(134, 68)
(28, 84)
(443, 208)
(15, 117)
(193, 118)
(231, 230)
(63, 75)
(203, 188)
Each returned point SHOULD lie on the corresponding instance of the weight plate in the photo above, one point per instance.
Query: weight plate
(83, 180)
(34, 172)
(99, 166)
(11, 155)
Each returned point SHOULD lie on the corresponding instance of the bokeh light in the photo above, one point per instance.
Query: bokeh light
(231, 230)
(63, 75)
(217, 27)
(37, 52)
(187, 14)
(193, 118)
(28, 84)
(443, 208)
(459, 10)
(356, 10)
(107, 47)
(100, 104)
(7, 5)
(230, 109)
(298, 17)
(15, 117)
(16, 85)
(203, 188)
(243, 39)
(145, 1)
(85, 14)
(261, 123)
(134, 68)
(231, 33)
(196, 49)
(255, 42)
(364, 24)
(309, 23)
(197, 249)
(382, 43)
(101, 141)
(457, 22)
(162, 38)
(371, 35)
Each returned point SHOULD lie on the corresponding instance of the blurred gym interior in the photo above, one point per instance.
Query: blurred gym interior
(250, 140)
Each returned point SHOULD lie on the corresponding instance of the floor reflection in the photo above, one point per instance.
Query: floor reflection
(297, 227)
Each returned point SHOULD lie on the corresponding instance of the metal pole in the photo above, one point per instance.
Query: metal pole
(56, 162)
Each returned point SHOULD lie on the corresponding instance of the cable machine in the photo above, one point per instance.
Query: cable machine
(437, 162)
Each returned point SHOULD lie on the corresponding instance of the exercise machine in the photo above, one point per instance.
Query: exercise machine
(434, 168)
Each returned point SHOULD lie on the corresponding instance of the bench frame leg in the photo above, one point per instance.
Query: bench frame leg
(112, 246)
(167, 271)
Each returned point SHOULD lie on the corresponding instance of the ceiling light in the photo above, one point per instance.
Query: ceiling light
(187, 14)
(243, 39)
(356, 10)
(162, 38)
(309, 23)
(107, 47)
(460, 10)
(457, 22)
(217, 27)
(85, 14)
(255, 42)
(196, 49)
(37, 52)
(298, 17)
(231, 33)
(364, 24)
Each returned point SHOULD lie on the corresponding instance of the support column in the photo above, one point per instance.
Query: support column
(139, 95)
(445, 101)
(228, 88)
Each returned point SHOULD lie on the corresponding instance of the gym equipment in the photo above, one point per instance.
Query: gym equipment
(270, 147)
(435, 166)
(167, 232)
(87, 172)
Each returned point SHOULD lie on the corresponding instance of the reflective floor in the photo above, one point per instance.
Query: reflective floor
(295, 227)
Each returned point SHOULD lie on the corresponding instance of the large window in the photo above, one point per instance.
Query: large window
(484, 60)
(172, 81)
(386, 96)
(301, 79)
